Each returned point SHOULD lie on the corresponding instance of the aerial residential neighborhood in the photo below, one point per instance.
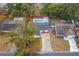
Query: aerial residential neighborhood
(39, 28)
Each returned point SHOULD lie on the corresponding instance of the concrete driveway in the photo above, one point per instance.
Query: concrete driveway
(72, 43)
(73, 46)
(46, 47)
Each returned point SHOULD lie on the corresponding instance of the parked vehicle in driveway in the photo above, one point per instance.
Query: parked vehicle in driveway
(53, 26)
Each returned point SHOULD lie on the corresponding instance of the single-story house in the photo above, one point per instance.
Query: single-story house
(68, 32)
(41, 22)
(18, 19)
(8, 25)
(65, 30)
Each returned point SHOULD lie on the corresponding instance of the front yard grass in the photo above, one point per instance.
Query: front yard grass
(5, 43)
(37, 46)
(58, 44)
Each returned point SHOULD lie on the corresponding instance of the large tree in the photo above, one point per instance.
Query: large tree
(75, 9)
(26, 39)
(58, 11)
(19, 9)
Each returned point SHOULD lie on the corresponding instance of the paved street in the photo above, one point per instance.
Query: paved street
(46, 47)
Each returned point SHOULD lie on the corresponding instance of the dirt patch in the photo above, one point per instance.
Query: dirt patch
(5, 43)
(58, 44)
(37, 46)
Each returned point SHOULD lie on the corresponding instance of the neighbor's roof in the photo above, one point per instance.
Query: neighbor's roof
(2, 18)
(65, 29)
(8, 25)
(71, 32)
(3, 11)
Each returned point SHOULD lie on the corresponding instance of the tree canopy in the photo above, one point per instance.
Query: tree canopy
(26, 40)
(58, 11)
(20, 9)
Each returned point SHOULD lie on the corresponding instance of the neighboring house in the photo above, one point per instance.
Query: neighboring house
(18, 19)
(3, 9)
(38, 5)
(68, 32)
(53, 23)
(8, 25)
(41, 22)
(65, 29)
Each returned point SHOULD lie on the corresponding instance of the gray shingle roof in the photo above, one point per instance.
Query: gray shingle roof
(7, 26)
(65, 29)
